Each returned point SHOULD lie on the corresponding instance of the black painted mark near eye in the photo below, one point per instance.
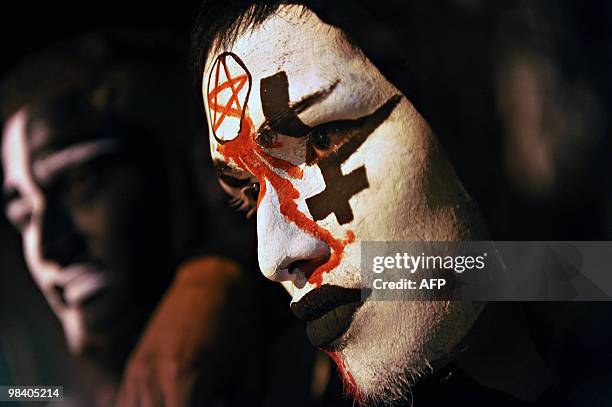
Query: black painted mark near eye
(340, 188)
(274, 93)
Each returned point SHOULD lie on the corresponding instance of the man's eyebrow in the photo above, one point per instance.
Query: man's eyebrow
(46, 168)
(291, 111)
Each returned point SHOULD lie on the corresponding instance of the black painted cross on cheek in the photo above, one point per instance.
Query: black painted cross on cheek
(339, 188)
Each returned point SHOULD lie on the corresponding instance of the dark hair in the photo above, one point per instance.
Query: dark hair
(221, 21)
(48, 72)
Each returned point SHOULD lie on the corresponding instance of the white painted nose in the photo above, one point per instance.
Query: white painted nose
(285, 252)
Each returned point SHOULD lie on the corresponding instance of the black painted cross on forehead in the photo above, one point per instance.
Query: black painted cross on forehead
(339, 188)
(280, 117)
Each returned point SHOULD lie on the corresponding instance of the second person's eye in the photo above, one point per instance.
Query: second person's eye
(244, 192)
(246, 199)
(83, 186)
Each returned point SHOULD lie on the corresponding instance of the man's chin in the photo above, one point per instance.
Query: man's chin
(391, 345)
(87, 333)
(82, 342)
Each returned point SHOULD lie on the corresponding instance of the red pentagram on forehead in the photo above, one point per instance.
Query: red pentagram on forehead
(227, 96)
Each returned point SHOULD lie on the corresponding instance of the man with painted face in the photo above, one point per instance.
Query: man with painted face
(309, 132)
(313, 127)
(86, 183)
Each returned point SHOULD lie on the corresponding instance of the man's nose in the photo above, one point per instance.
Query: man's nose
(60, 242)
(285, 252)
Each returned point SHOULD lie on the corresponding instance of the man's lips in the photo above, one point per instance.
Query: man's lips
(328, 311)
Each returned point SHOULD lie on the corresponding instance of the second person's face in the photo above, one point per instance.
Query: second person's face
(83, 217)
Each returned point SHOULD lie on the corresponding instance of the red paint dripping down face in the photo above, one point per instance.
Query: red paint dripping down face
(245, 151)
(310, 136)
(350, 386)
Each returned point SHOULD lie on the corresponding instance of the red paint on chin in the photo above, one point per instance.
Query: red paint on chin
(250, 156)
(350, 386)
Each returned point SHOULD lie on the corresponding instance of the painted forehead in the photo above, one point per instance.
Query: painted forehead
(253, 67)
(227, 94)
(291, 55)
(15, 161)
(56, 128)
(31, 149)
(13, 146)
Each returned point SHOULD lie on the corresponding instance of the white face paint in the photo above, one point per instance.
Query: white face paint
(410, 193)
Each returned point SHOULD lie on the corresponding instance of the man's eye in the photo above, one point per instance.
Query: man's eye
(80, 187)
(321, 139)
(327, 138)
